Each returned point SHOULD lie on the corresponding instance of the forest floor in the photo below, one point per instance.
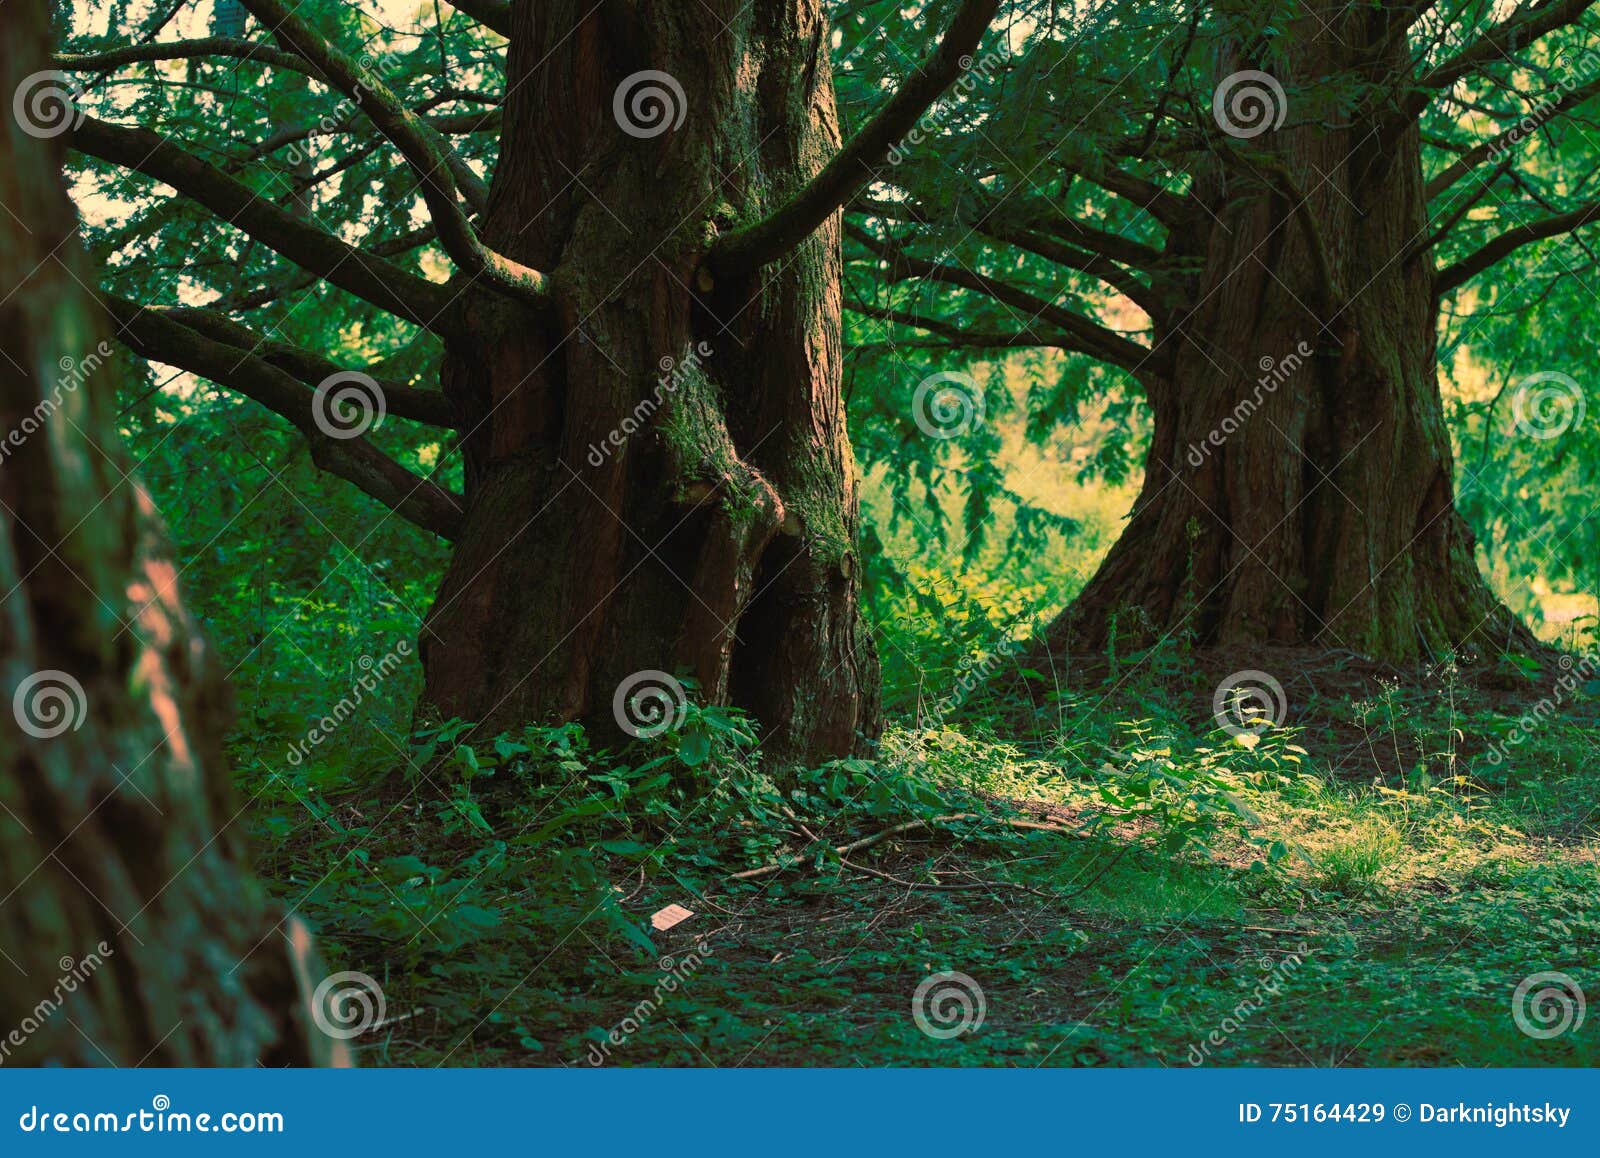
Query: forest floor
(1374, 883)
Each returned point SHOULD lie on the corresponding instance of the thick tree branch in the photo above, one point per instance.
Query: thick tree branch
(159, 337)
(370, 278)
(1509, 242)
(1050, 248)
(747, 249)
(423, 148)
(401, 400)
(1089, 338)
(951, 335)
(225, 46)
(253, 299)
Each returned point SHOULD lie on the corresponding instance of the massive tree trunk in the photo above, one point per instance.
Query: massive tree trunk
(658, 473)
(1298, 488)
(130, 930)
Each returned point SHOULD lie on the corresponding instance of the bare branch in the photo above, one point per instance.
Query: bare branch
(748, 249)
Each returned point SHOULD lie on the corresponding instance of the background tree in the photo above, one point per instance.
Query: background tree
(638, 347)
(1203, 189)
(133, 931)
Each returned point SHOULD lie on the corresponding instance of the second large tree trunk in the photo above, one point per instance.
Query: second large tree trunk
(658, 476)
(1298, 488)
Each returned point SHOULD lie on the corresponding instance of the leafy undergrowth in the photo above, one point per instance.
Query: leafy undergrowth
(1133, 889)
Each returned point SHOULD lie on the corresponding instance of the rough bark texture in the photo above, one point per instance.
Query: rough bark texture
(1294, 499)
(130, 928)
(614, 525)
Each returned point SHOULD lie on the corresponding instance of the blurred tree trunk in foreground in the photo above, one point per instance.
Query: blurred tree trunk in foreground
(130, 929)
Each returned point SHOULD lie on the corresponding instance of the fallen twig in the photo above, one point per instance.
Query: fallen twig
(845, 850)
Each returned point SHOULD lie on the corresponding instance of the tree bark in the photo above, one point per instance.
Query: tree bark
(131, 930)
(1298, 488)
(658, 475)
